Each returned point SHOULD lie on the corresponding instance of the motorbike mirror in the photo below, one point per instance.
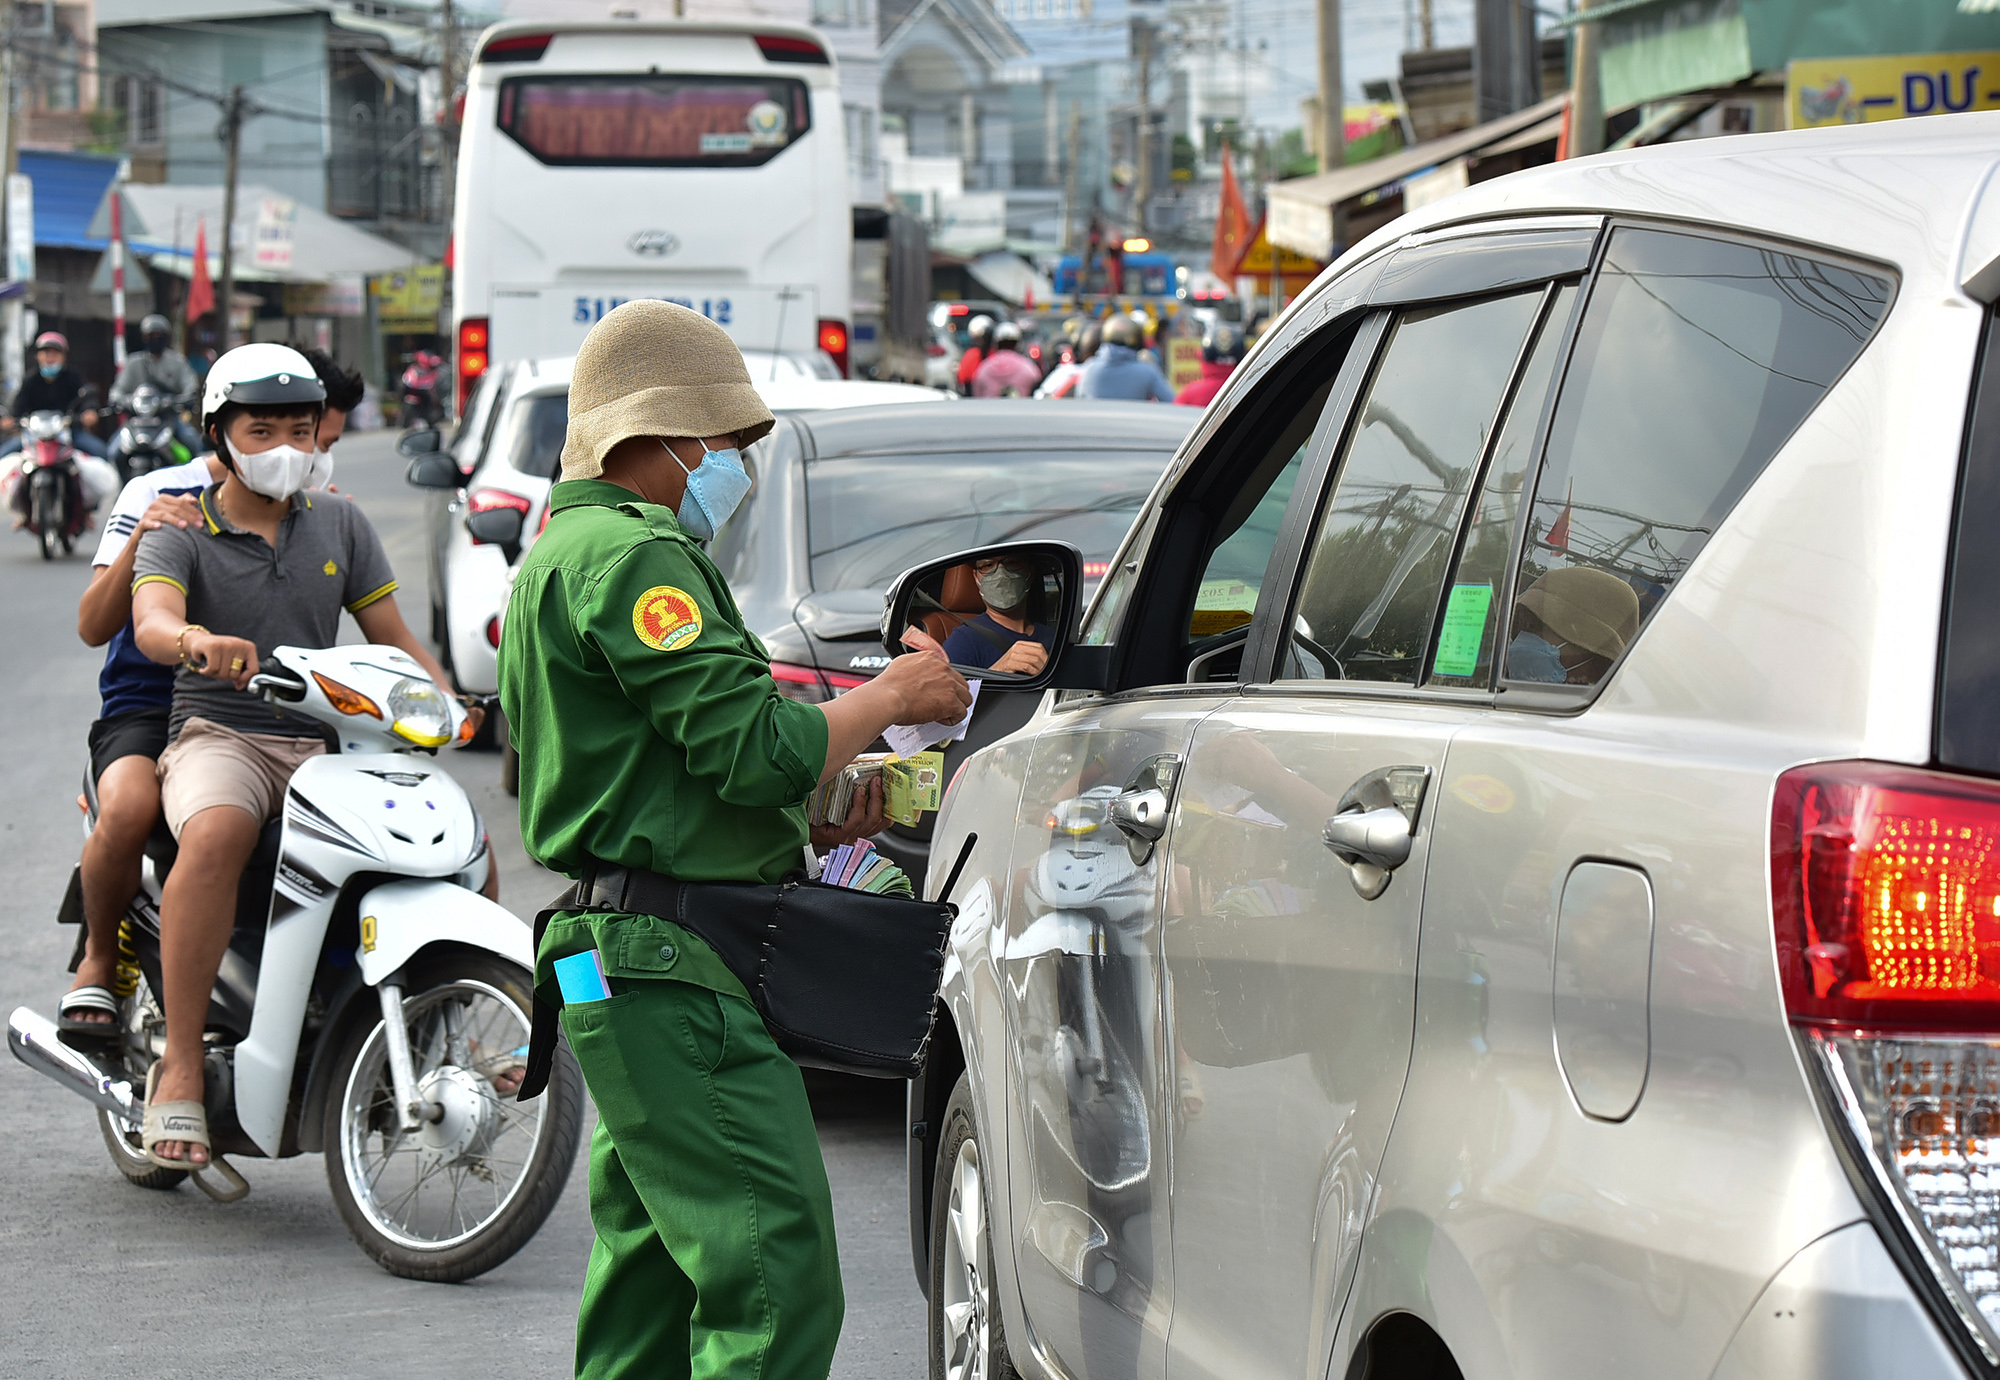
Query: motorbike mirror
(977, 605)
(421, 442)
(435, 471)
(499, 526)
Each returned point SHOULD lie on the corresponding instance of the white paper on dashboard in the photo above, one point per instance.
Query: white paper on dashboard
(907, 740)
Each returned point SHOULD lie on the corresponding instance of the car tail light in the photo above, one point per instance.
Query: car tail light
(809, 684)
(487, 500)
(474, 349)
(936, 350)
(515, 48)
(1886, 896)
(493, 631)
(1096, 570)
(786, 48)
(958, 309)
(833, 340)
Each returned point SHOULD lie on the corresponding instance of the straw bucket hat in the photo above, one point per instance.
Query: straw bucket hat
(1593, 609)
(655, 369)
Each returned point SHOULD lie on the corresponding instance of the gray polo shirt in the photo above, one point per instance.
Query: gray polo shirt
(238, 585)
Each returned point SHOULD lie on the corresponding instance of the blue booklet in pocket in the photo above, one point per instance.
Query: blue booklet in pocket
(581, 978)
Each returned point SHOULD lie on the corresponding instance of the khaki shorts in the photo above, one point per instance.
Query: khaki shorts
(209, 765)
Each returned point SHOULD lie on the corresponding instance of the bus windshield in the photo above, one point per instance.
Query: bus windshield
(654, 121)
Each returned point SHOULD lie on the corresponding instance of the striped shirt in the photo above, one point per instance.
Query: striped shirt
(129, 681)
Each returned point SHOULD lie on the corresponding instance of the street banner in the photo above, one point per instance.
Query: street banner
(1858, 90)
(407, 302)
(339, 296)
(20, 227)
(1183, 361)
(201, 288)
(1232, 224)
(276, 217)
(1263, 259)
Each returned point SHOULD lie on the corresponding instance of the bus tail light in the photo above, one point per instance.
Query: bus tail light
(515, 48)
(787, 48)
(1886, 896)
(833, 340)
(474, 343)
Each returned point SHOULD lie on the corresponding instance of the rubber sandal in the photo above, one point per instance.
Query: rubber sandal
(183, 1121)
(87, 999)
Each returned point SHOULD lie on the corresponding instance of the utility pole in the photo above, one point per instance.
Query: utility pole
(1072, 241)
(1142, 38)
(1427, 25)
(448, 89)
(1332, 116)
(1586, 96)
(232, 142)
(12, 358)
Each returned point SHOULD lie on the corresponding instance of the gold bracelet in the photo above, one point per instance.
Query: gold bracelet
(180, 643)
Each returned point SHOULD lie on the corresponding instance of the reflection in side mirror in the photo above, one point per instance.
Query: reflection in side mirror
(435, 471)
(1002, 614)
(425, 442)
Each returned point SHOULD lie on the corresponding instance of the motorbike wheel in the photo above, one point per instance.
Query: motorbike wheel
(123, 1143)
(967, 1336)
(456, 1197)
(44, 519)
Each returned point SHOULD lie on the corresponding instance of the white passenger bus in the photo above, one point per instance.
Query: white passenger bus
(702, 164)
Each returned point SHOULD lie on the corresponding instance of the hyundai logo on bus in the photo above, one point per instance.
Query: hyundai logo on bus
(653, 243)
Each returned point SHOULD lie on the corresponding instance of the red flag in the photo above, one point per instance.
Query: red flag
(1232, 226)
(201, 291)
(1558, 537)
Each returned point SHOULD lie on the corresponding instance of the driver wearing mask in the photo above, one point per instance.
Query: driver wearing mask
(1004, 637)
(166, 369)
(266, 566)
(1570, 625)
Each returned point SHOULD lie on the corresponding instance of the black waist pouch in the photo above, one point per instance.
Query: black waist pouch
(845, 980)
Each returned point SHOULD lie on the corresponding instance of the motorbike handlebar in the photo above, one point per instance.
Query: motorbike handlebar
(277, 685)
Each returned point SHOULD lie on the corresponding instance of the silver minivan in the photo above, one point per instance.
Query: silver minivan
(1504, 879)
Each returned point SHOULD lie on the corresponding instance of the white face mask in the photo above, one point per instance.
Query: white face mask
(276, 473)
(319, 473)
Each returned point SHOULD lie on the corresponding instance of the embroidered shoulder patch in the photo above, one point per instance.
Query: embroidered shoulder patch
(666, 619)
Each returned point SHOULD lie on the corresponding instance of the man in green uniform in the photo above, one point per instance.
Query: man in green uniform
(652, 737)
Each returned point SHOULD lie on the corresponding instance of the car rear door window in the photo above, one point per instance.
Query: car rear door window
(1695, 359)
(1377, 558)
(539, 425)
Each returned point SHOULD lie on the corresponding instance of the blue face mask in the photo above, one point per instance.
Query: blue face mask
(715, 488)
(49, 371)
(1535, 658)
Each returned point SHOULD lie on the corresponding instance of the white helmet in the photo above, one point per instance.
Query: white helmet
(259, 375)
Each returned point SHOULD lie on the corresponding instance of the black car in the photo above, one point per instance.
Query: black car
(845, 501)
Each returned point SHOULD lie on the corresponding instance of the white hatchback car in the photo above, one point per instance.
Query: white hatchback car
(1506, 881)
(508, 449)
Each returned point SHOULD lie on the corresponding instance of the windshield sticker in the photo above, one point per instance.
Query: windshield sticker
(1220, 605)
(725, 143)
(767, 124)
(666, 619)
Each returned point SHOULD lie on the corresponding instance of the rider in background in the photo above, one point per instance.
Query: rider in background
(54, 387)
(979, 338)
(1063, 379)
(1117, 372)
(1006, 372)
(158, 364)
(1221, 352)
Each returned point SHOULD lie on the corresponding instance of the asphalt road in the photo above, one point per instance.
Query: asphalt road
(104, 1278)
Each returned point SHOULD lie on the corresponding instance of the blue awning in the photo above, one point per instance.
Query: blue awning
(69, 187)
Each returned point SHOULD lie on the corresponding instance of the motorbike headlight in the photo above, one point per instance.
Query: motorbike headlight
(419, 712)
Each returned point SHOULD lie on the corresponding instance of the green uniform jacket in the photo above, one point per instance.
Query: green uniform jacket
(649, 729)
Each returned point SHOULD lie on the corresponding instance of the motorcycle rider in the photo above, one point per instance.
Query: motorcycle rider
(271, 567)
(166, 369)
(54, 387)
(1116, 371)
(979, 344)
(1006, 372)
(344, 391)
(1221, 352)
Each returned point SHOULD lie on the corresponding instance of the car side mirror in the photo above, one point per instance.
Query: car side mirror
(426, 441)
(499, 527)
(435, 471)
(1013, 606)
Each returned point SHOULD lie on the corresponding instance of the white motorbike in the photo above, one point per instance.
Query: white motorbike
(373, 1005)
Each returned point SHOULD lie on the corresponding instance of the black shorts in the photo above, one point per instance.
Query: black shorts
(136, 733)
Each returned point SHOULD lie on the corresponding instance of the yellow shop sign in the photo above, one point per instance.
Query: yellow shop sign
(1851, 91)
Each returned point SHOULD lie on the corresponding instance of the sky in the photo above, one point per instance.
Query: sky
(1372, 34)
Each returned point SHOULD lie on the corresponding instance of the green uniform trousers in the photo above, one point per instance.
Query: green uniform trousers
(715, 1253)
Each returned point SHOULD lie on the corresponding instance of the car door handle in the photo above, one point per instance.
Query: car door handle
(1380, 838)
(1375, 825)
(1141, 810)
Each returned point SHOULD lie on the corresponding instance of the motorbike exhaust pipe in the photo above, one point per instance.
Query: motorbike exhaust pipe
(33, 1039)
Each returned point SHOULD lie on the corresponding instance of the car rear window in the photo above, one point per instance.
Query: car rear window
(535, 434)
(654, 121)
(870, 518)
(1695, 360)
(1968, 721)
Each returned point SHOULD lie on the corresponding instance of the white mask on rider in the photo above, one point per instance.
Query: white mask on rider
(319, 473)
(277, 473)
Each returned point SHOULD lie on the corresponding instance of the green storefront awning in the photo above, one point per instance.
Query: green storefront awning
(1654, 48)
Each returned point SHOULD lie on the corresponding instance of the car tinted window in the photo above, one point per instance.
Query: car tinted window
(1968, 728)
(1463, 654)
(1695, 359)
(535, 439)
(869, 518)
(1377, 559)
(647, 120)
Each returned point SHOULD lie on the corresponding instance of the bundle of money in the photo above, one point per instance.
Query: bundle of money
(912, 785)
(832, 799)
